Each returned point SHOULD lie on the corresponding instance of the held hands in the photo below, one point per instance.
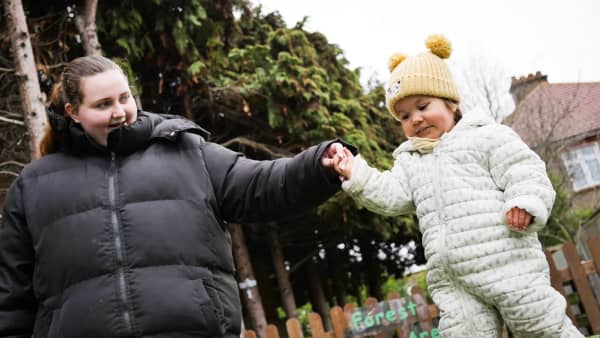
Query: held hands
(518, 219)
(339, 159)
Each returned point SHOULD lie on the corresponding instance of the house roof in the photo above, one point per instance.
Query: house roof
(557, 112)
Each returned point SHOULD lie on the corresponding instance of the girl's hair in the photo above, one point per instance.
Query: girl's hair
(68, 90)
(457, 113)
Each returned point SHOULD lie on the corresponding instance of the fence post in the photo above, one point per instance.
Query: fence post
(294, 329)
(316, 326)
(371, 304)
(272, 331)
(582, 284)
(338, 321)
(422, 308)
(557, 283)
(594, 246)
(349, 307)
(404, 330)
(249, 334)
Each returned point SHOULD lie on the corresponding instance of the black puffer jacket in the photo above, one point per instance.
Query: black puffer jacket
(132, 243)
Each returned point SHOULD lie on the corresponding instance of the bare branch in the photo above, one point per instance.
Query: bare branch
(7, 120)
(483, 84)
(58, 65)
(18, 164)
(231, 114)
(9, 173)
(10, 114)
(256, 145)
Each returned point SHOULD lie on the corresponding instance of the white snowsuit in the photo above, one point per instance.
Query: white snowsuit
(478, 269)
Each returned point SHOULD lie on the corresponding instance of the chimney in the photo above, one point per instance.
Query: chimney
(519, 88)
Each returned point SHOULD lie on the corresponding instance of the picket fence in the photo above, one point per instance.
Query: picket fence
(576, 283)
(426, 314)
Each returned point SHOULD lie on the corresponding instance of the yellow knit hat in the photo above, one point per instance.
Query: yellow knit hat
(423, 74)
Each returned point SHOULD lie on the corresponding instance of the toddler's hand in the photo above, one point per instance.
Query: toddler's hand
(332, 155)
(344, 166)
(518, 219)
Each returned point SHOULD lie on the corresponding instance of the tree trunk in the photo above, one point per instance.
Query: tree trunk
(86, 25)
(283, 276)
(319, 300)
(337, 275)
(34, 111)
(327, 283)
(356, 282)
(268, 297)
(187, 104)
(249, 291)
(369, 253)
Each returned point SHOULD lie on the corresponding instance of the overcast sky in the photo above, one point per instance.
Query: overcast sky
(558, 38)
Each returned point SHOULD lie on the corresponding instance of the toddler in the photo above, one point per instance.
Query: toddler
(480, 195)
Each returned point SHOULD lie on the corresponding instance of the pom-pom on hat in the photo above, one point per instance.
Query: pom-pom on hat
(422, 74)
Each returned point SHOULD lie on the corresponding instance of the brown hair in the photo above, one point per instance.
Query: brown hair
(457, 113)
(68, 90)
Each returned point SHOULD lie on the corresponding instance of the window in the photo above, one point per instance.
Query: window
(583, 164)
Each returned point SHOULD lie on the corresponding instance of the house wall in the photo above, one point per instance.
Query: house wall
(587, 198)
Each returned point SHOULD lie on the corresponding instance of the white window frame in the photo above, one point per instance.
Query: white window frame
(574, 156)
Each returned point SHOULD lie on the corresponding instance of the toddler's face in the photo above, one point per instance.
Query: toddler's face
(425, 116)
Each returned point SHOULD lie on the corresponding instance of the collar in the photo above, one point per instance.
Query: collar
(147, 128)
(424, 145)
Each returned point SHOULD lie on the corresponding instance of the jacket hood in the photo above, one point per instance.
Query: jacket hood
(473, 119)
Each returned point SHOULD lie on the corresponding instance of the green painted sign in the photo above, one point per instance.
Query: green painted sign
(387, 316)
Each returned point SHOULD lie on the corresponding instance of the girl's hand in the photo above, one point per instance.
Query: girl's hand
(344, 166)
(518, 219)
(338, 158)
(332, 155)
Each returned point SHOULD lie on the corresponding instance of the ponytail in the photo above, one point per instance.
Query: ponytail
(50, 141)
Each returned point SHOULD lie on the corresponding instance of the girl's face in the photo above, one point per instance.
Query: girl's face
(425, 116)
(106, 104)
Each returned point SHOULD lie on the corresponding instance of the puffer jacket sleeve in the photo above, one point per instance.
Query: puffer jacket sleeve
(385, 193)
(17, 301)
(253, 191)
(521, 174)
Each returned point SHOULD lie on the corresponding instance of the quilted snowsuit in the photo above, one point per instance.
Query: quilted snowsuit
(479, 271)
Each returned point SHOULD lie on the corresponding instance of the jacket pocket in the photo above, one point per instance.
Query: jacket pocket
(210, 307)
(176, 299)
(217, 306)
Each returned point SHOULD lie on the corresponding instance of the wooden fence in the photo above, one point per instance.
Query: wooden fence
(576, 282)
(424, 318)
(579, 282)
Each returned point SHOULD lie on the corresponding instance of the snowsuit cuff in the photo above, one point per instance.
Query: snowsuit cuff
(532, 205)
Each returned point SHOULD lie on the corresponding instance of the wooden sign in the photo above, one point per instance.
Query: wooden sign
(387, 316)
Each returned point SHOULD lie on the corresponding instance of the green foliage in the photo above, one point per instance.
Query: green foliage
(145, 26)
(402, 286)
(564, 221)
(133, 83)
(392, 284)
(302, 312)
